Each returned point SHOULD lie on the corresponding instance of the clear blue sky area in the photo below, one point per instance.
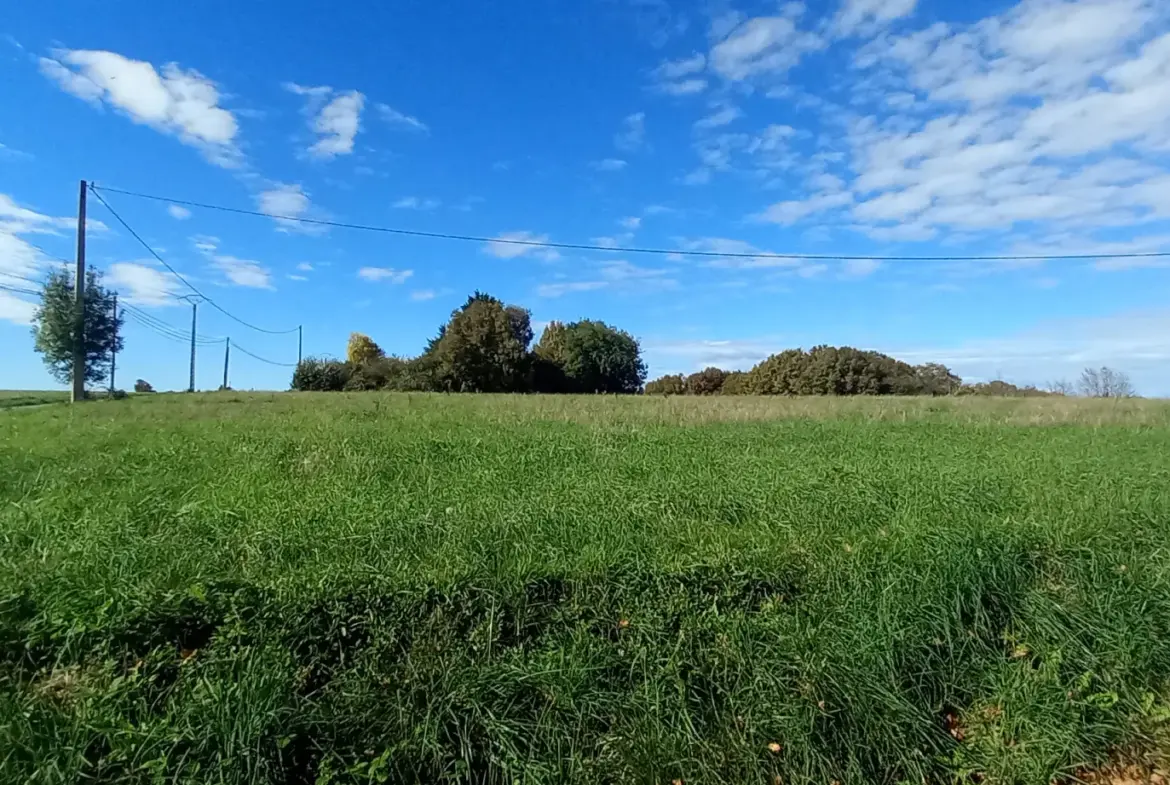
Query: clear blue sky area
(870, 128)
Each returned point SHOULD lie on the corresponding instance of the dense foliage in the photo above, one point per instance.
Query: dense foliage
(54, 327)
(484, 347)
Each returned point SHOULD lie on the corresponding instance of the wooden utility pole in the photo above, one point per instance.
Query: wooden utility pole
(78, 393)
(227, 352)
(191, 383)
(299, 336)
(114, 348)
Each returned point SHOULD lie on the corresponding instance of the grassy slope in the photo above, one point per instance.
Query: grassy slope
(265, 588)
(11, 399)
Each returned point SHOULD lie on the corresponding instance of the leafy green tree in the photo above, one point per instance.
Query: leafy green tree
(143, 386)
(736, 383)
(780, 374)
(321, 374)
(361, 349)
(937, 379)
(54, 327)
(482, 349)
(671, 384)
(708, 381)
(594, 357)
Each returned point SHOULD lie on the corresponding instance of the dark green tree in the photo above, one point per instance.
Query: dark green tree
(594, 357)
(708, 381)
(736, 383)
(54, 327)
(482, 348)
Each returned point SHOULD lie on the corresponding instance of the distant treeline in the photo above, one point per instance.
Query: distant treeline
(484, 347)
(831, 370)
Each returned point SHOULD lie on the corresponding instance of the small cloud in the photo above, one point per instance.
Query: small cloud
(422, 295)
(239, 272)
(297, 278)
(633, 132)
(719, 118)
(685, 87)
(396, 118)
(860, 268)
(143, 284)
(558, 289)
(632, 223)
(675, 77)
(178, 213)
(510, 245)
(384, 274)
(285, 202)
(415, 203)
(609, 165)
(305, 267)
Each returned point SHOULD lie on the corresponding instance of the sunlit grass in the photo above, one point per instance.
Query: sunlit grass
(288, 588)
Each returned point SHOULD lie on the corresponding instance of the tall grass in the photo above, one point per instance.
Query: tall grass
(390, 588)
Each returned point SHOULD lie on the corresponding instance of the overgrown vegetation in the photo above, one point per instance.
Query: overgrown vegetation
(484, 348)
(232, 588)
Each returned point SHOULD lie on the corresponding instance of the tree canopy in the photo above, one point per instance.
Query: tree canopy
(54, 327)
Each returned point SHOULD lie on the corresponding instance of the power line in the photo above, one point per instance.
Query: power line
(166, 330)
(261, 359)
(176, 273)
(18, 290)
(637, 250)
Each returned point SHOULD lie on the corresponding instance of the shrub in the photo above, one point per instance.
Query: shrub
(595, 357)
(708, 381)
(736, 383)
(667, 385)
(143, 386)
(319, 374)
(361, 349)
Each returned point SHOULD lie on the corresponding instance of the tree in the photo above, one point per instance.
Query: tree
(708, 381)
(321, 374)
(937, 379)
(736, 383)
(594, 357)
(1104, 382)
(1062, 387)
(671, 384)
(54, 327)
(361, 349)
(481, 349)
(143, 386)
(780, 374)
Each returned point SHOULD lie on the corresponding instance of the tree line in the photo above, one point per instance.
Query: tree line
(484, 347)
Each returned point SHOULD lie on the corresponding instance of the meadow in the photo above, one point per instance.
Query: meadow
(361, 588)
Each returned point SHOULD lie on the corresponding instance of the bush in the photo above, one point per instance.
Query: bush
(320, 374)
(594, 357)
(667, 385)
(736, 383)
(708, 381)
(143, 386)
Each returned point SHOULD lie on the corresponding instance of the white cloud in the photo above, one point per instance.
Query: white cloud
(632, 222)
(415, 203)
(765, 45)
(510, 245)
(864, 17)
(725, 115)
(384, 274)
(676, 356)
(140, 283)
(305, 267)
(1047, 118)
(16, 309)
(292, 277)
(397, 118)
(178, 213)
(860, 268)
(285, 202)
(236, 271)
(676, 77)
(336, 122)
(177, 101)
(421, 295)
(617, 275)
(633, 132)
(609, 165)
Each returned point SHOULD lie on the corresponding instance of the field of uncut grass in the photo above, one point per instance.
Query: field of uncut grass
(367, 588)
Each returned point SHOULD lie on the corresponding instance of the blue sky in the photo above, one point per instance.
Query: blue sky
(865, 127)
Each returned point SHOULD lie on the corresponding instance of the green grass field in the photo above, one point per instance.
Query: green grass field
(298, 588)
(11, 399)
